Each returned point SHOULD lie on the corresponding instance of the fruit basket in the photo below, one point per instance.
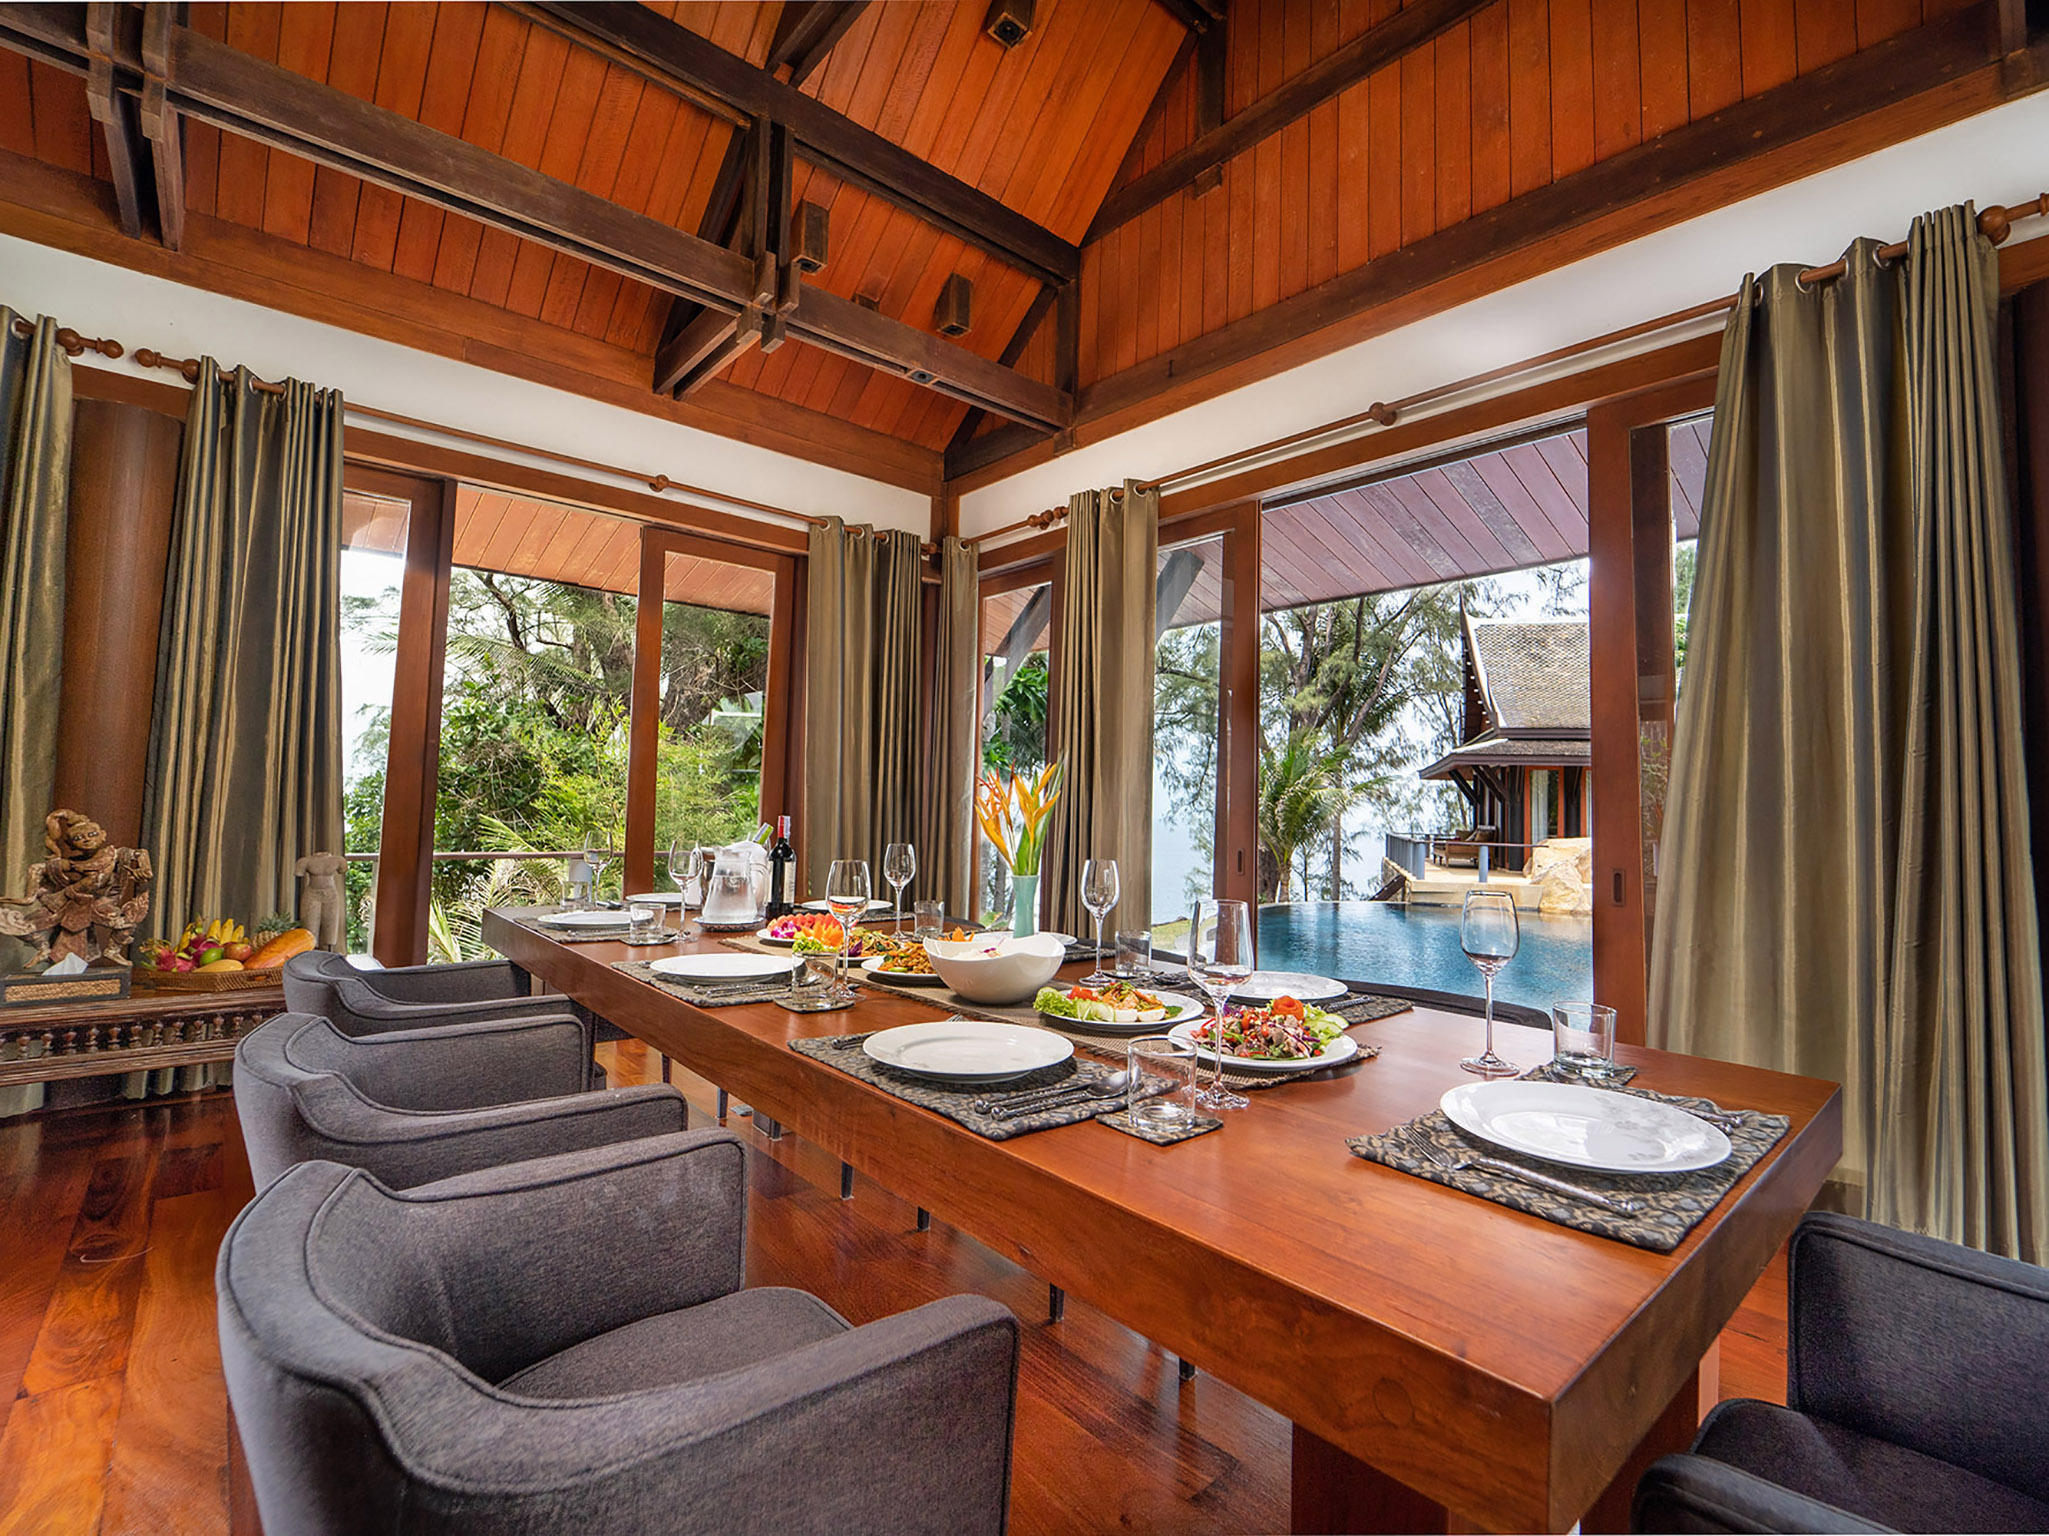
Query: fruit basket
(210, 957)
(148, 979)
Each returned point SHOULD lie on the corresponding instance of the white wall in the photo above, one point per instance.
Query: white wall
(144, 311)
(2001, 156)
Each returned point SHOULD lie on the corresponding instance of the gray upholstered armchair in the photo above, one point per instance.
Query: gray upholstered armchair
(565, 1345)
(419, 1104)
(1914, 1400)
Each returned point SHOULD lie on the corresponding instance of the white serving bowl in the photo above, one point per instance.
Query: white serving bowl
(997, 968)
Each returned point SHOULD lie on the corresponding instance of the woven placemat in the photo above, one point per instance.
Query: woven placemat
(844, 1053)
(771, 991)
(1673, 1203)
(612, 935)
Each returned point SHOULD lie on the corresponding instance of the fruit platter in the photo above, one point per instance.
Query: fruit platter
(815, 933)
(219, 955)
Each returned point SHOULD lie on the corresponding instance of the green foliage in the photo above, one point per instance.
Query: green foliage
(1014, 730)
(1301, 798)
(534, 739)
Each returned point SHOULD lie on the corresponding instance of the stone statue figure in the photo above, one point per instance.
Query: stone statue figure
(84, 899)
(323, 909)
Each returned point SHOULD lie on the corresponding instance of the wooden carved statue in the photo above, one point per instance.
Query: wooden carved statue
(84, 899)
(323, 909)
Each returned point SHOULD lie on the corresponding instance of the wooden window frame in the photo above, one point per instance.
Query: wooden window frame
(643, 733)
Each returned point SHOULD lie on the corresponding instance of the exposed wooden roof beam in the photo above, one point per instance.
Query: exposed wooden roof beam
(806, 31)
(1195, 15)
(248, 96)
(1372, 49)
(677, 56)
(120, 119)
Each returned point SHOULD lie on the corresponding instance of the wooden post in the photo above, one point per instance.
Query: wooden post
(643, 730)
(1237, 825)
(1629, 527)
(412, 766)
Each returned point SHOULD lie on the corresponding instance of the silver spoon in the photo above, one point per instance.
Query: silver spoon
(1113, 1086)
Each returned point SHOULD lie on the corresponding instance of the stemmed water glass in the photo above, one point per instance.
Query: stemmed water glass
(597, 857)
(1220, 957)
(1490, 934)
(899, 868)
(847, 890)
(1099, 895)
(686, 868)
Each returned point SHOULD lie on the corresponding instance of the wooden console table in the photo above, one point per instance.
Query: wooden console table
(131, 1034)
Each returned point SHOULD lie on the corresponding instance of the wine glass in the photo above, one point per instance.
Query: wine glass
(1490, 934)
(899, 868)
(847, 889)
(597, 857)
(686, 869)
(1099, 895)
(1220, 958)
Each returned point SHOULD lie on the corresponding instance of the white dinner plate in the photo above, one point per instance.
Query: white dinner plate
(819, 906)
(657, 899)
(583, 920)
(902, 978)
(723, 967)
(1586, 1127)
(1265, 986)
(1344, 1048)
(1190, 1011)
(967, 1051)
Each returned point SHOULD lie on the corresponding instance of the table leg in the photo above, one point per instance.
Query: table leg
(1673, 1432)
(1332, 1490)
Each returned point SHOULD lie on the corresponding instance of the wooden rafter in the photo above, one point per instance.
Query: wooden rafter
(120, 119)
(808, 30)
(1372, 49)
(248, 96)
(678, 57)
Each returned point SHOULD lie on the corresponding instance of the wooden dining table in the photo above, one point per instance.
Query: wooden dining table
(1448, 1363)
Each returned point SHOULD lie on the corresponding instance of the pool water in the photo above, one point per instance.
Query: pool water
(1419, 947)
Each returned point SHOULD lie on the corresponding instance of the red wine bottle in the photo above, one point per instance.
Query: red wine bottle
(781, 856)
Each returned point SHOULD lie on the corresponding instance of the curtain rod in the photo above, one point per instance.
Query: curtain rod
(1994, 223)
(188, 369)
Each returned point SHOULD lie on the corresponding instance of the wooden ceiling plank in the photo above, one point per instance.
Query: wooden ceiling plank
(1566, 455)
(1360, 524)
(1346, 540)
(1550, 493)
(306, 47)
(1294, 98)
(853, 152)
(452, 74)
(401, 82)
(1410, 524)
(252, 29)
(583, 77)
(501, 65)
(1506, 487)
(604, 149)
(1430, 485)
(1466, 482)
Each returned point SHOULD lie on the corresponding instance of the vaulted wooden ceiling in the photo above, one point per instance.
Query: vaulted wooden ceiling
(1152, 199)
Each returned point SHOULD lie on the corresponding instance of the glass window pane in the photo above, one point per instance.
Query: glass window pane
(715, 633)
(373, 558)
(1016, 642)
(1189, 622)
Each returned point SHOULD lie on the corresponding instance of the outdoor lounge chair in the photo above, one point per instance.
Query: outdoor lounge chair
(1464, 848)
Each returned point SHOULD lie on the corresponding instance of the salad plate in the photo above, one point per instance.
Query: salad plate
(582, 920)
(1585, 1127)
(875, 968)
(1302, 1039)
(724, 967)
(1271, 986)
(968, 1051)
(1118, 1009)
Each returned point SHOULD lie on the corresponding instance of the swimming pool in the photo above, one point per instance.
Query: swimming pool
(1419, 947)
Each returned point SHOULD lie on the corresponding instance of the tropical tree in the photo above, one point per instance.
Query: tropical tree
(1301, 797)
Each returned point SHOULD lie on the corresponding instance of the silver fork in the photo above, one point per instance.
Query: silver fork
(1452, 1162)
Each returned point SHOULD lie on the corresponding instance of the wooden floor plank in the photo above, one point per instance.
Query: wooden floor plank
(91, 1309)
(53, 1459)
(43, 1177)
(170, 1461)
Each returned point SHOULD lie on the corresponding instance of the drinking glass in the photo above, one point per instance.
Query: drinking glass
(597, 853)
(1220, 958)
(1162, 1092)
(1583, 1038)
(1134, 952)
(848, 888)
(1099, 895)
(930, 920)
(640, 923)
(899, 868)
(1490, 935)
(686, 871)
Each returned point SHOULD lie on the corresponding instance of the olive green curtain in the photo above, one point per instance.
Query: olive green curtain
(860, 697)
(35, 477)
(946, 799)
(1846, 884)
(1102, 727)
(244, 775)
